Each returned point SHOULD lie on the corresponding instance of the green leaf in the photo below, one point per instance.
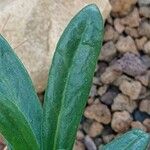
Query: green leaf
(20, 109)
(133, 140)
(70, 78)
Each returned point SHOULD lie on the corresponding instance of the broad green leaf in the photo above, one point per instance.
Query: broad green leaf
(70, 78)
(20, 109)
(133, 140)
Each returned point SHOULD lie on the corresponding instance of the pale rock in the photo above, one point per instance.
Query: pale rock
(118, 26)
(121, 121)
(140, 42)
(95, 129)
(131, 20)
(90, 100)
(108, 51)
(133, 32)
(102, 90)
(98, 112)
(126, 44)
(109, 75)
(147, 48)
(122, 102)
(138, 125)
(122, 7)
(143, 2)
(78, 146)
(144, 79)
(131, 88)
(144, 29)
(120, 79)
(110, 34)
(108, 138)
(80, 135)
(145, 106)
(33, 28)
(146, 123)
(145, 11)
(93, 91)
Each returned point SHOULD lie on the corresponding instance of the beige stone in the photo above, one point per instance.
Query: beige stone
(78, 146)
(131, 20)
(95, 129)
(145, 106)
(109, 75)
(138, 125)
(98, 112)
(108, 51)
(33, 28)
(122, 102)
(122, 7)
(146, 123)
(147, 48)
(140, 42)
(121, 121)
(126, 44)
(131, 89)
(110, 34)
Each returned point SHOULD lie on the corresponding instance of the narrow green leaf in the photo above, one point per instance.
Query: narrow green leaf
(20, 109)
(70, 78)
(132, 140)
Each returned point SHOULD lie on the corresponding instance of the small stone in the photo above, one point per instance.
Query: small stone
(110, 34)
(108, 51)
(96, 81)
(98, 112)
(145, 11)
(122, 7)
(126, 44)
(140, 116)
(119, 80)
(95, 129)
(90, 100)
(147, 48)
(140, 43)
(78, 146)
(138, 125)
(89, 143)
(146, 60)
(109, 96)
(143, 2)
(118, 26)
(146, 122)
(144, 79)
(131, 88)
(145, 106)
(132, 32)
(93, 91)
(130, 64)
(108, 138)
(102, 90)
(144, 29)
(122, 102)
(109, 75)
(121, 121)
(80, 135)
(101, 69)
(131, 20)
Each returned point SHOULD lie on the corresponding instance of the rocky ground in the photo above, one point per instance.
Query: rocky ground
(120, 96)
